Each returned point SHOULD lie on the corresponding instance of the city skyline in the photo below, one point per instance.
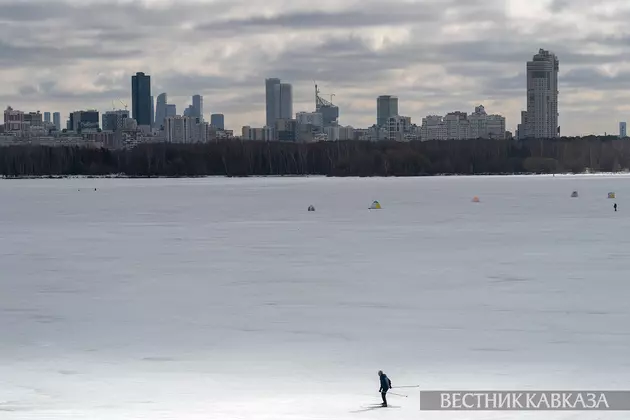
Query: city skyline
(434, 62)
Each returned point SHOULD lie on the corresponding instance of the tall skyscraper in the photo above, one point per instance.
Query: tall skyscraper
(152, 111)
(181, 129)
(197, 104)
(57, 120)
(283, 98)
(218, 121)
(47, 117)
(622, 130)
(114, 120)
(521, 129)
(34, 119)
(328, 110)
(542, 96)
(13, 120)
(270, 101)
(84, 121)
(141, 98)
(171, 110)
(386, 107)
(160, 110)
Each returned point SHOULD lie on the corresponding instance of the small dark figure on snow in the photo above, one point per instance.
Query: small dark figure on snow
(386, 384)
(615, 206)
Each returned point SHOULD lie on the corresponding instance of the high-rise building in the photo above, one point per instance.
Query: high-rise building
(13, 121)
(47, 117)
(258, 134)
(339, 133)
(313, 119)
(328, 110)
(171, 110)
(521, 129)
(461, 126)
(33, 119)
(152, 111)
(484, 126)
(160, 109)
(386, 107)
(542, 96)
(197, 105)
(270, 101)
(622, 130)
(179, 129)
(57, 120)
(286, 130)
(279, 101)
(199, 131)
(218, 121)
(399, 128)
(141, 98)
(283, 97)
(84, 121)
(114, 120)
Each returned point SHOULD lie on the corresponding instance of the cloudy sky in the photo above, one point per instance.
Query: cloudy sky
(435, 55)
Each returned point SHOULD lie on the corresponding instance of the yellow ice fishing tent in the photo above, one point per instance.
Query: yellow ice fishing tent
(611, 195)
(375, 205)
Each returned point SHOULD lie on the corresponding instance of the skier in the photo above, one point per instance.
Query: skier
(386, 384)
(615, 206)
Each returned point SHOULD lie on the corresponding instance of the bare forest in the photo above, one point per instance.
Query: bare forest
(351, 158)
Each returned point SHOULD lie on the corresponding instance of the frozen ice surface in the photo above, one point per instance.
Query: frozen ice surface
(225, 299)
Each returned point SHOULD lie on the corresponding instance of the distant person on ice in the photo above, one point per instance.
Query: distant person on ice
(386, 384)
(615, 206)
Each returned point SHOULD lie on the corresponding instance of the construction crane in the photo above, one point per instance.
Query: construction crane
(329, 111)
(114, 105)
(319, 101)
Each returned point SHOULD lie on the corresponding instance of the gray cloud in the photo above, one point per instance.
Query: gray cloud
(558, 6)
(62, 94)
(18, 56)
(24, 12)
(434, 54)
(365, 15)
(192, 82)
(588, 77)
(106, 13)
(27, 90)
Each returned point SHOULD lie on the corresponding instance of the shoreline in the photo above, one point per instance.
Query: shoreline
(124, 176)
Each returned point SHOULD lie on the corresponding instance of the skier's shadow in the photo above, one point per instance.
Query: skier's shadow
(375, 407)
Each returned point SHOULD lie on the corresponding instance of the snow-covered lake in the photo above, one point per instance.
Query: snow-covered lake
(225, 299)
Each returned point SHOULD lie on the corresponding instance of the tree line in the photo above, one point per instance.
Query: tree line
(345, 158)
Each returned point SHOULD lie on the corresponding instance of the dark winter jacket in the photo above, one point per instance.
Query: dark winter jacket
(385, 383)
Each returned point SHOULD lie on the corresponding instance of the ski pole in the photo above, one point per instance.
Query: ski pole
(400, 395)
